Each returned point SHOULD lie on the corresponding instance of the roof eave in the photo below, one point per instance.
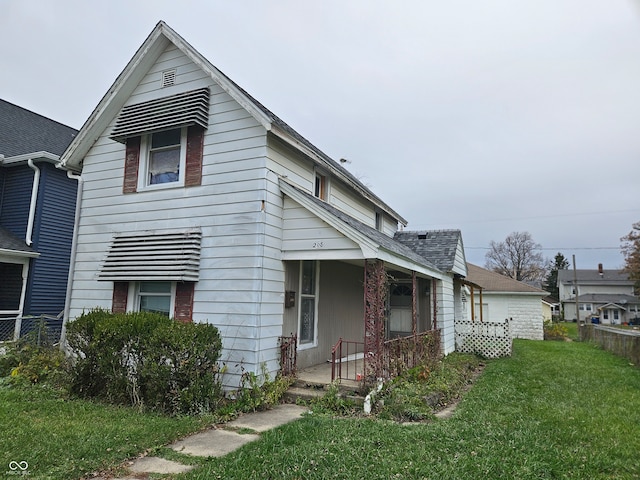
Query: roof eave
(25, 157)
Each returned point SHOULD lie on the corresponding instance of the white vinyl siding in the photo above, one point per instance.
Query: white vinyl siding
(304, 232)
(299, 171)
(241, 276)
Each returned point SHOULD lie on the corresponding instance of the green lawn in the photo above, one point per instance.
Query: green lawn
(552, 410)
(66, 439)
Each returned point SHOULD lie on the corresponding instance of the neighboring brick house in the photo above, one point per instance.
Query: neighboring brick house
(604, 296)
(504, 298)
(37, 207)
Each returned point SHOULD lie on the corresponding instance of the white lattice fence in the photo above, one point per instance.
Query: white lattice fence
(489, 339)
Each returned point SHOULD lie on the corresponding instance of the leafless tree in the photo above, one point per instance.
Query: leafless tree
(631, 252)
(518, 257)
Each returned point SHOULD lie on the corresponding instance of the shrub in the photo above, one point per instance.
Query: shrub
(554, 331)
(259, 393)
(146, 360)
(32, 359)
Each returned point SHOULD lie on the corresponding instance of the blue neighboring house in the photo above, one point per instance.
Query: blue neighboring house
(37, 211)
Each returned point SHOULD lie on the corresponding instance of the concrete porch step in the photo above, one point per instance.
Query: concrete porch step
(302, 390)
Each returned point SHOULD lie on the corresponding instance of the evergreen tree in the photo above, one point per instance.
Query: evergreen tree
(551, 282)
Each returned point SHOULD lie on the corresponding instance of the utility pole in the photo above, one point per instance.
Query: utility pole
(575, 286)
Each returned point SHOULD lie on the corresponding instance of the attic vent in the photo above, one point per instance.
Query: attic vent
(422, 236)
(168, 78)
(157, 255)
(180, 110)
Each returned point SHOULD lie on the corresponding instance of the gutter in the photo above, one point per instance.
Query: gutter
(72, 256)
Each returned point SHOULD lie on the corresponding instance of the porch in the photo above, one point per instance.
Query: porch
(352, 369)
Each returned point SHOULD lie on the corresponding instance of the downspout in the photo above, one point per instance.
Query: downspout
(72, 257)
(18, 324)
(34, 199)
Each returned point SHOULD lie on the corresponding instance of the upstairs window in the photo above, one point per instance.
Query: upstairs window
(379, 223)
(164, 140)
(165, 157)
(320, 188)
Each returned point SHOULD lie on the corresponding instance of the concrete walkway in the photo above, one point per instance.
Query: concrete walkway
(215, 442)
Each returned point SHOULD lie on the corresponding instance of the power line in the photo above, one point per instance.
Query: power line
(538, 217)
(554, 248)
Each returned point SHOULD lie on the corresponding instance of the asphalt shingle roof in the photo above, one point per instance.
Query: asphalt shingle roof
(23, 131)
(380, 238)
(8, 241)
(437, 246)
(617, 298)
(593, 276)
(495, 282)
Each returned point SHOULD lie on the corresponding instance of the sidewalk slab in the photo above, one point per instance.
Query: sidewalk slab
(157, 465)
(212, 443)
(268, 419)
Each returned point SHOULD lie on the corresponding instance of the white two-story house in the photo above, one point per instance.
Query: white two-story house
(199, 202)
(604, 296)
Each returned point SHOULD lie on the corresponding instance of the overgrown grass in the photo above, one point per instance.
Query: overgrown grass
(66, 439)
(552, 410)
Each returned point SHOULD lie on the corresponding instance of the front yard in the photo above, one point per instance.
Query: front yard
(552, 410)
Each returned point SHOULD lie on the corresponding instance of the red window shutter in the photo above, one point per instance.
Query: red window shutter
(195, 146)
(131, 165)
(184, 302)
(120, 294)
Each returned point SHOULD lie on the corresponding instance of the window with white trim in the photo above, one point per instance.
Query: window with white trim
(308, 313)
(153, 296)
(163, 158)
(320, 187)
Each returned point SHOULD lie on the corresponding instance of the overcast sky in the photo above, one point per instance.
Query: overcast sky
(488, 116)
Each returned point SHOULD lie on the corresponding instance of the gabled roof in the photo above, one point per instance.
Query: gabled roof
(23, 132)
(606, 298)
(495, 282)
(12, 245)
(371, 241)
(608, 277)
(437, 246)
(155, 44)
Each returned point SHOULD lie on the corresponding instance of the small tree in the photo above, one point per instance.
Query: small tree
(551, 282)
(631, 251)
(518, 257)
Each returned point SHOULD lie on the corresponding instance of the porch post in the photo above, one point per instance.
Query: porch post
(375, 285)
(414, 305)
(434, 286)
(473, 305)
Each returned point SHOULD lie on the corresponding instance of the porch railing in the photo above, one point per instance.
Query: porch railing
(347, 361)
(288, 354)
(403, 353)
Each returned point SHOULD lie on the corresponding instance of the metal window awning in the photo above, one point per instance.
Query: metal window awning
(180, 110)
(153, 255)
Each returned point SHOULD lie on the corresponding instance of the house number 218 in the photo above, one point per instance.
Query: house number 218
(318, 244)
